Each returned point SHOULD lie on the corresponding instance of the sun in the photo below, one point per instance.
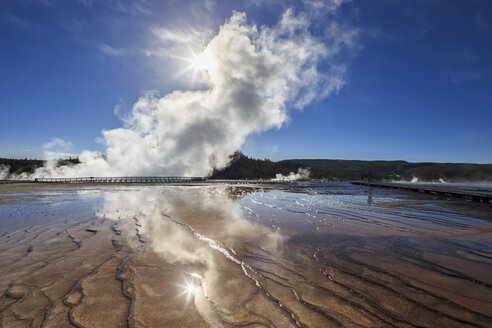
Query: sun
(204, 65)
(205, 61)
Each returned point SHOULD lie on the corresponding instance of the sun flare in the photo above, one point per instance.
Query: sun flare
(191, 289)
(205, 61)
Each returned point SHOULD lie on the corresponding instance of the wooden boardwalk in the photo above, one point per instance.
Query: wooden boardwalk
(473, 193)
(109, 180)
(119, 180)
(125, 180)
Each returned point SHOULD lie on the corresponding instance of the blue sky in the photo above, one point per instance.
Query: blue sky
(418, 84)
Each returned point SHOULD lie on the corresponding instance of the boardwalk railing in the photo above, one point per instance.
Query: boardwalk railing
(119, 180)
(15, 181)
(475, 195)
(140, 180)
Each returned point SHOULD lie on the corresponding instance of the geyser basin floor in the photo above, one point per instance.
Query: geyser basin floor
(312, 255)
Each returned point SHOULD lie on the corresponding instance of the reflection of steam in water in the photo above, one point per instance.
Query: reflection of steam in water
(169, 221)
(369, 197)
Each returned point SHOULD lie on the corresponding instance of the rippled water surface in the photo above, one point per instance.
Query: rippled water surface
(220, 255)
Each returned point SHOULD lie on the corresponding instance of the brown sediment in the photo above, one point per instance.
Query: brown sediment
(292, 259)
(474, 232)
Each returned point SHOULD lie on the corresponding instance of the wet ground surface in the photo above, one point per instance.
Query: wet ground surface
(301, 255)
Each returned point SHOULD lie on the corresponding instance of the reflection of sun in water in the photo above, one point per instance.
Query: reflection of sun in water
(189, 290)
(192, 287)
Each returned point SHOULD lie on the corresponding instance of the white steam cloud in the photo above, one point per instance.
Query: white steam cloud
(302, 174)
(253, 75)
(4, 171)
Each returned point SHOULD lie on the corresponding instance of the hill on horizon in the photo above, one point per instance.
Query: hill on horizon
(244, 167)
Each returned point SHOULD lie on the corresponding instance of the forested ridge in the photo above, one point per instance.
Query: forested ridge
(244, 167)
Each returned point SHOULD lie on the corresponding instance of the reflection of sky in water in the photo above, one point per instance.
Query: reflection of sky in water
(315, 202)
(37, 207)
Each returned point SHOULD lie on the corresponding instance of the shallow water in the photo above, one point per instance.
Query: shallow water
(300, 255)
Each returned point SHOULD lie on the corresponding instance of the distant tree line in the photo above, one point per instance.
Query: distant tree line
(389, 170)
(244, 167)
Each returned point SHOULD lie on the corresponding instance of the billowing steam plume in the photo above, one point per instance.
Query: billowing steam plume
(253, 76)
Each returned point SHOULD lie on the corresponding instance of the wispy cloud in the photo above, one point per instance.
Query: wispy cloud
(16, 21)
(177, 43)
(259, 3)
(466, 75)
(481, 23)
(135, 7)
(315, 7)
(272, 149)
(466, 55)
(342, 37)
(58, 148)
(58, 143)
(323, 6)
(87, 3)
(183, 35)
(111, 51)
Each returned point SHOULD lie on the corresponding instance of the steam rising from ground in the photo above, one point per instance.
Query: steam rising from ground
(4, 171)
(302, 174)
(254, 76)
